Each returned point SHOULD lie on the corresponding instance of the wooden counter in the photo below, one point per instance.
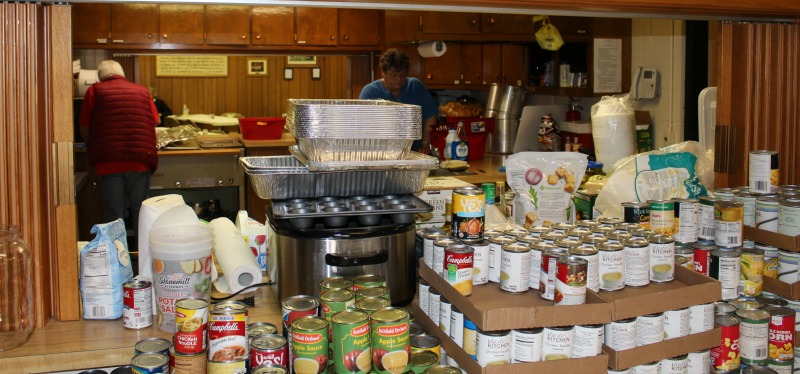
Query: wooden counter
(485, 171)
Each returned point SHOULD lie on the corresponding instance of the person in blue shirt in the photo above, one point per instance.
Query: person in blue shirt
(396, 85)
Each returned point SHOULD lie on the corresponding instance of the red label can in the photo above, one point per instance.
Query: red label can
(458, 267)
(725, 356)
(294, 307)
(781, 333)
(702, 258)
(570, 281)
(191, 322)
(227, 334)
(269, 349)
(137, 300)
(547, 274)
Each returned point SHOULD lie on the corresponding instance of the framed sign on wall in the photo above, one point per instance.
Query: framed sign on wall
(192, 66)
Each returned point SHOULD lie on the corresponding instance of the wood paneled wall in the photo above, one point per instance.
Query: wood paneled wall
(250, 95)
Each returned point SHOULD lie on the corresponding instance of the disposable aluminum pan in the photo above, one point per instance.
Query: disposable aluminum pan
(414, 161)
(284, 177)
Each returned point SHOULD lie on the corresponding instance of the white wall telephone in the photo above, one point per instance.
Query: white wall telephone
(645, 85)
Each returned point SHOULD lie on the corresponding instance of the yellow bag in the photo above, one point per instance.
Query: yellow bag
(548, 36)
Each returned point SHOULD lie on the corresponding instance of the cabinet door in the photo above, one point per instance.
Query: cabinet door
(359, 27)
(134, 23)
(227, 24)
(91, 23)
(492, 66)
(492, 23)
(400, 26)
(316, 26)
(471, 64)
(572, 28)
(450, 23)
(273, 25)
(181, 24)
(513, 60)
(444, 70)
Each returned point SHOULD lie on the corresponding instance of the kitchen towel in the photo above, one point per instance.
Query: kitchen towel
(432, 49)
(239, 267)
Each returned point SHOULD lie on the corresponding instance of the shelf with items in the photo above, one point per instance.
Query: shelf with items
(620, 360)
(789, 243)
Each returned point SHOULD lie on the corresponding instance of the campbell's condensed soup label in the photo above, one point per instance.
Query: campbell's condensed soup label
(227, 335)
(458, 267)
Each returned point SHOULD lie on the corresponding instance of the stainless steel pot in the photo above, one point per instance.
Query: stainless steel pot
(502, 139)
(505, 101)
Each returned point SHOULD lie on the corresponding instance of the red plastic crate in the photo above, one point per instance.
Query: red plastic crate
(262, 128)
(476, 130)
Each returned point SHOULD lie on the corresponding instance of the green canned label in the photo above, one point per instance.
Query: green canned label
(422, 360)
(391, 342)
(367, 281)
(335, 301)
(351, 342)
(309, 345)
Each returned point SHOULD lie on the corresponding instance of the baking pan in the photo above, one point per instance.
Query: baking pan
(414, 161)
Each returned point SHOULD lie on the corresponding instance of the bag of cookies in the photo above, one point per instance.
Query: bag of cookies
(544, 183)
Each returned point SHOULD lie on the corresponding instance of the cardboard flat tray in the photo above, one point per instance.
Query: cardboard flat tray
(782, 289)
(492, 309)
(620, 360)
(689, 288)
(586, 365)
(785, 242)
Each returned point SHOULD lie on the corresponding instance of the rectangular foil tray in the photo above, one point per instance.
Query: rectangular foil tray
(414, 161)
(347, 119)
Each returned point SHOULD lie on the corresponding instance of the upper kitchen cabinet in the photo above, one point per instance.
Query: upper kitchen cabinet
(508, 24)
(227, 24)
(181, 24)
(91, 23)
(359, 27)
(316, 26)
(400, 26)
(572, 28)
(444, 70)
(272, 25)
(513, 62)
(134, 23)
(450, 23)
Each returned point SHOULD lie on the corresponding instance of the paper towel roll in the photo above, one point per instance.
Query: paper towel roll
(432, 49)
(151, 209)
(239, 268)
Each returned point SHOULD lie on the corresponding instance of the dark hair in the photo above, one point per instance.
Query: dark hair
(395, 59)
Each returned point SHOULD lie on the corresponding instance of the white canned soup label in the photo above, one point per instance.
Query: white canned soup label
(434, 300)
(588, 341)
(637, 262)
(787, 266)
(557, 343)
(753, 336)
(445, 308)
(424, 296)
(620, 335)
(526, 345)
(515, 268)
(676, 323)
(480, 260)
(767, 208)
(699, 361)
(674, 365)
(649, 329)
(457, 326)
(612, 266)
(686, 220)
(493, 348)
(438, 254)
(763, 172)
(725, 267)
(789, 217)
(427, 247)
(651, 368)
(536, 265)
(749, 204)
(662, 258)
(495, 256)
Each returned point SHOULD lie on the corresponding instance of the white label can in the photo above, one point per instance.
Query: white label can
(706, 230)
(588, 341)
(651, 368)
(662, 258)
(789, 217)
(496, 254)
(427, 247)
(763, 171)
(674, 365)
(699, 361)
(592, 266)
(434, 299)
(557, 343)
(480, 260)
(676, 323)
(457, 326)
(686, 220)
(536, 264)
(611, 260)
(753, 336)
(444, 315)
(438, 254)
(515, 268)
(526, 345)
(493, 347)
(787, 266)
(620, 335)
(649, 329)
(701, 318)
(767, 208)
(637, 262)
(424, 296)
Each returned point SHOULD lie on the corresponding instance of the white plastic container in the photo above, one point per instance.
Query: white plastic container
(613, 130)
(182, 267)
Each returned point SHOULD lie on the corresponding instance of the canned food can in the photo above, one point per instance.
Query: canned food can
(515, 267)
(438, 254)
(526, 345)
(552, 237)
(586, 223)
(150, 363)
(771, 300)
(362, 293)
(186, 364)
(748, 201)
(488, 234)
(780, 366)
(191, 320)
(706, 218)
(227, 367)
(611, 258)
(152, 345)
(227, 333)
(368, 280)
(414, 328)
(445, 308)
(592, 266)
(458, 267)
(788, 266)
(620, 335)
(257, 329)
(702, 257)
(391, 342)
(309, 345)
(725, 267)
(269, 349)
(724, 193)
(753, 336)
(570, 288)
(751, 279)
(602, 231)
(335, 283)
(728, 223)
(578, 232)
(764, 172)
(427, 246)
(563, 227)
(676, 323)
(443, 369)
(423, 295)
(538, 230)
(662, 258)
(426, 342)
(725, 356)
(137, 301)
(547, 275)
(421, 361)
(781, 333)
(636, 212)
(470, 335)
(588, 341)
(372, 304)
(496, 255)
(557, 342)
(297, 306)
(536, 263)
(649, 329)
(351, 342)
(699, 361)
(609, 221)
(686, 217)
(662, 216)
(767, 210)
(468, 213)
(701, 318)
(480, 260)
(516, 232)
(789, 216)
(456, 326)
(722, 308)
(649, 368)
(771, 260)
(617, 236)
(687, 252)
(270, 369)
(434, 304)
(674, 365)
(637, 262)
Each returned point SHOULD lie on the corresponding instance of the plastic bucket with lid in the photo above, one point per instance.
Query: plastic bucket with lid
(182, 267)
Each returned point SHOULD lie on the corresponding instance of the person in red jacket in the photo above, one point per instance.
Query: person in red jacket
(117, 122)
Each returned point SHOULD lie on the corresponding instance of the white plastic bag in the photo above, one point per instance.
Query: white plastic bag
(105, 266)
(613, 129)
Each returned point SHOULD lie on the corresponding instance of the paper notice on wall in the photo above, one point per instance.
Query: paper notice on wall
(607, 65)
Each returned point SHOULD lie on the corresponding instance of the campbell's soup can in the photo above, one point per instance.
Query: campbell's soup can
(227, 332)
(547, 275)
(636, 212)
(728, 223)
(458, 267)
(468, 213)
(269, 349)
(191, 320)
(310, 341)
(187, 364)
(570, 281)
(391, 342)
(702, 257)
(781, 333)
(764, 172)
(662, 216)
(725, 356)
(137, 301)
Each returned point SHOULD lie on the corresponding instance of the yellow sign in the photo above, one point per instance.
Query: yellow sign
(191, 66)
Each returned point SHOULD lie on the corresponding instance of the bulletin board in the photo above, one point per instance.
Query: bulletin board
(191, 66)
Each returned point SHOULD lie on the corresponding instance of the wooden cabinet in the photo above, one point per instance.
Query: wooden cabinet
(316, 26)
(359, 27)
(91, 23)
(227, 24)
(444, 70)
(572, 28)
(513, 65)
(471, 65)
(272, 25)
(492, 64)
(400, 26)
(134, 23)
(450, 23)
(181, 24)
(492, 23)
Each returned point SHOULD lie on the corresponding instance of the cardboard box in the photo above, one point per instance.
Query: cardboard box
(584, 205)
(782, 289)
(785, 242)
(619, 360)
(492, 309)
(586, 365)
(689, 288)
(435, 192)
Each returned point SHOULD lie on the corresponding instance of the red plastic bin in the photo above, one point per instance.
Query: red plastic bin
(261, 128)
(476, 130)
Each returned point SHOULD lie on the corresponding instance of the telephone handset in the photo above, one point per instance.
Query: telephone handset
(646, 84)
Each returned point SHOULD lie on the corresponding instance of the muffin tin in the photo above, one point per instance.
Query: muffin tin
(336, 212)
